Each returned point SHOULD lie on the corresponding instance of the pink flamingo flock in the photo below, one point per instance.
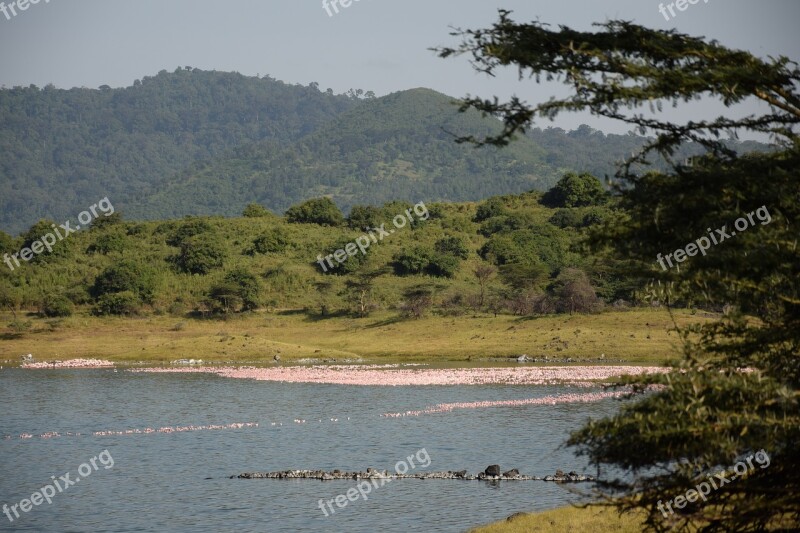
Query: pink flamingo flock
(379, 375)
(384, 375)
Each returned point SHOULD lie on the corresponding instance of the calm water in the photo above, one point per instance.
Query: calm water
(160, 482)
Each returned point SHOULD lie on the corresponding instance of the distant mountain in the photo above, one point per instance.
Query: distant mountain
(200, 142)
(62, 150)
(401, 146)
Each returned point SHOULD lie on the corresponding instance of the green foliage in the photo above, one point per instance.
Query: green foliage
(200, 254)
(354, 259)
(247, 286)
(493, 207)
(710, 414)
(61, 249)
(451, 246)
(189, 228)
(57, 306)
(575, 292)
(7, 243)
(364, 216)
(125, 276)
(124, 303)
(421, 260)
(107, 221)
(256, 211)
(272, 241)
(322, 211)
(108, 243)
(576, 190)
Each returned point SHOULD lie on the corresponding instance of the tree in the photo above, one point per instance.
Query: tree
(416, 301)
(709, 415)
(322, 211)
(483, 273)
(574, 292)
(359, 292)
(576, 190)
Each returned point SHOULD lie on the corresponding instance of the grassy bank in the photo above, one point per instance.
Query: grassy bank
(635, 336)
(567, 520)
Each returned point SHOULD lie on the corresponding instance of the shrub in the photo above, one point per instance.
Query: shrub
(107, 243)
(256, 211)
(120, 304)
(191, 228)
(322, 211)
(269, 242)
(493, 207)
(125, 276)
(452, 246)
(55, 306)
(364, 216)
(200, 254)
(576, 190)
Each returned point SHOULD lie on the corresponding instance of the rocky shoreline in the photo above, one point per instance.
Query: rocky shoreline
(492, 473)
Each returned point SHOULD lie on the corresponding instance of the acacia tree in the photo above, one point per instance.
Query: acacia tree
(711, 414)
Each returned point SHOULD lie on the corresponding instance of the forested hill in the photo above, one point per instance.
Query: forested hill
(399, 147)
(204, 142)
(64, 149)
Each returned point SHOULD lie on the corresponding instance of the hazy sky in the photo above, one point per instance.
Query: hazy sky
(378, 45)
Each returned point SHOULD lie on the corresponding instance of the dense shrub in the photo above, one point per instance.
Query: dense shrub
(191, 228)
(322, 211)
(200, 254)
(493, 207)
(270, 242)
(452, 246)
(576, 190)
(121, 304)
(256, 211)
(55, 306)
(125, 276)
(364, 216)
(108, 243)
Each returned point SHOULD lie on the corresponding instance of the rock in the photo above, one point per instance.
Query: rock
(461, 474)
(511, 473)
(523, 358)
(492, 470)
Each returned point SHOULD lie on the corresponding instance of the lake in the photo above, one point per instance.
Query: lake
(180, 481)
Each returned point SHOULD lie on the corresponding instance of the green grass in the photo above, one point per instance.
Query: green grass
(636, 336)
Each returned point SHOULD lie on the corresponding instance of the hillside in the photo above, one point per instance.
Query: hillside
(61, 147)
(195, 142)
(399, 147)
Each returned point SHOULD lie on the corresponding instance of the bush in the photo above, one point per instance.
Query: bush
(421, 260)
(576, 190)
(452, 246)
(269, 242)
(107, 243)
(493, 207)
(125, 276)
(322, 211)
(119, 304)
(350, 265)
(411, 262)
(364, 216)
(200, 254)
(191, 228)
(56, 306)
(256, 211)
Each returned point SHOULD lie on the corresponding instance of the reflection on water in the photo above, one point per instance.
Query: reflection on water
(180, 481)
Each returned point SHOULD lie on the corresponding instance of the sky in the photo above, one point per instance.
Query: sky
(377, 45)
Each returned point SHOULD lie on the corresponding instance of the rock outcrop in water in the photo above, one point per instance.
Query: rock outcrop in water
(492, 473)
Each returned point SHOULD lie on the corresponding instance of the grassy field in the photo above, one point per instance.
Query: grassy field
(567, 520)
(635, 336)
